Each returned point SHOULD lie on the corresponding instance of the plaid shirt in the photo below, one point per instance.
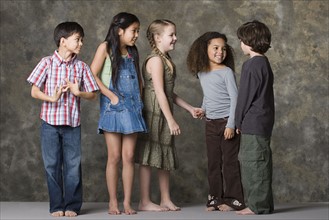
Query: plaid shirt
(52, 71)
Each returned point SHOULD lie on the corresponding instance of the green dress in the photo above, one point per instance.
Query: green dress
(157, 147)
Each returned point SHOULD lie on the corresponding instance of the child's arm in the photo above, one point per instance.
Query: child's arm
(74, 88)
(96, 66)
(195, 112)
(38, 94)
(155, 67)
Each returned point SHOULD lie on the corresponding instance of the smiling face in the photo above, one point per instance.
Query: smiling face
(216, 52)
(167, 39)
(128, 36)
(73, 43)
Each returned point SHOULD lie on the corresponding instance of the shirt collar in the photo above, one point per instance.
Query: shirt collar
(59, 60)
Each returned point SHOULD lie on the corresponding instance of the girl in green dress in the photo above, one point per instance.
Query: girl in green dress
(157, 148)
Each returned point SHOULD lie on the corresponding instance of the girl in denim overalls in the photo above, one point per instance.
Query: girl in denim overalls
(116, 69)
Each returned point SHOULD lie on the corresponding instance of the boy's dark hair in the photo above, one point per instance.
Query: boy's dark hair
(256, 35)
(67, 29)
(197, 58)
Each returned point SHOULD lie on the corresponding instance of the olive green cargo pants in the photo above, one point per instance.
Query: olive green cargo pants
(256, 172)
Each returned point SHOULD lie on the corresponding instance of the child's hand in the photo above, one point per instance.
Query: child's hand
(228, 133)
(114, 100)
(58, 92)
(73, 87)
(198, 113)
(238, 131)
(174, 128)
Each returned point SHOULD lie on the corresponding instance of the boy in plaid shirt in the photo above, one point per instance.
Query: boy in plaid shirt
(60, 81)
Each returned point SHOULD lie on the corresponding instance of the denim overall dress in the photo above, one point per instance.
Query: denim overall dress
(126, 116)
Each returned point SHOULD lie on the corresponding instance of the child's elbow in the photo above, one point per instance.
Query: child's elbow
(93, 96)
(34, 92)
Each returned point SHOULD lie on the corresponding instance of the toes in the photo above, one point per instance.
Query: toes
(70, 214)
(57, 214)
(130, 212)
(114, 212)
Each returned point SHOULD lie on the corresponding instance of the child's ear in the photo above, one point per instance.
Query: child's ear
(120, 31)
(62, 41)
(157, 38)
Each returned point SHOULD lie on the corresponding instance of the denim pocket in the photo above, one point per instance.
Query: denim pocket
(116, 107)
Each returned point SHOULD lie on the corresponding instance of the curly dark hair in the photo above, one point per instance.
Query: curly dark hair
(256, 35)
(197, 58)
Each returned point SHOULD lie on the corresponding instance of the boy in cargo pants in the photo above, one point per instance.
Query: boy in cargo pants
(254, 117)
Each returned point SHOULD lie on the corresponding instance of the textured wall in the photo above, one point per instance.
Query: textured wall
(299, 57)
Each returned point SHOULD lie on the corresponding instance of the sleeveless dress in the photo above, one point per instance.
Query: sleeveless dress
(157, 148)
(126, 116)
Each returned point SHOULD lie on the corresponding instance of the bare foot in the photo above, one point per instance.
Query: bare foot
(210, 209)
(57, 214)
(246, 211)
(151, 207)
(225, 208)
(70, 214)
(114, 209)
(128, 210)
(170, 205)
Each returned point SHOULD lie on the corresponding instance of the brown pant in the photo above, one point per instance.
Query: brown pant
(223, 166)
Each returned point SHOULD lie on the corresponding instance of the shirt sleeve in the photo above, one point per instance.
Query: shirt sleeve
(248, 87)
(39, 74)
(233, 94)
(89, 82)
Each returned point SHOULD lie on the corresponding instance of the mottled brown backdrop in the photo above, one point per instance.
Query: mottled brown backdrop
(299, 58)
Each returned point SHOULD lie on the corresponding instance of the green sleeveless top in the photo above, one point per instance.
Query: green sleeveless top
(106, 72)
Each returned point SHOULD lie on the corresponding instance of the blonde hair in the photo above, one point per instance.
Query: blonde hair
(157, 27)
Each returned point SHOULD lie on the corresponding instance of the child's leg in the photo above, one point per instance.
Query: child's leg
(214, 135)
(71, 138)
(165, 193)
(52, 159)
(145, 203)
(256, 170)
(128, 167)
(233, 193)
(113, 142)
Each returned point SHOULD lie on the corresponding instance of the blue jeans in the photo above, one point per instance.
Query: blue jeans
(61, 153)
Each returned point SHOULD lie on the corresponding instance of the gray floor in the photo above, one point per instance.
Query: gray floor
(39, 210)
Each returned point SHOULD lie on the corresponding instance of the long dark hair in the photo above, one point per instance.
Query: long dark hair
(122, 20)
(197, 58)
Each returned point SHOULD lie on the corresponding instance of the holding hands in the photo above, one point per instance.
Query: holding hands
(198, 113)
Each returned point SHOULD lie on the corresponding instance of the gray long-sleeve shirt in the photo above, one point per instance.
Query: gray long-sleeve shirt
(219, 94)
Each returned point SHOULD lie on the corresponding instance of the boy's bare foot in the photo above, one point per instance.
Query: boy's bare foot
(70, 214)
(210, 209)
(129, 211)
(170, 205)
(225, 208)
(152, 207)
(57, 214)
(246, 211)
